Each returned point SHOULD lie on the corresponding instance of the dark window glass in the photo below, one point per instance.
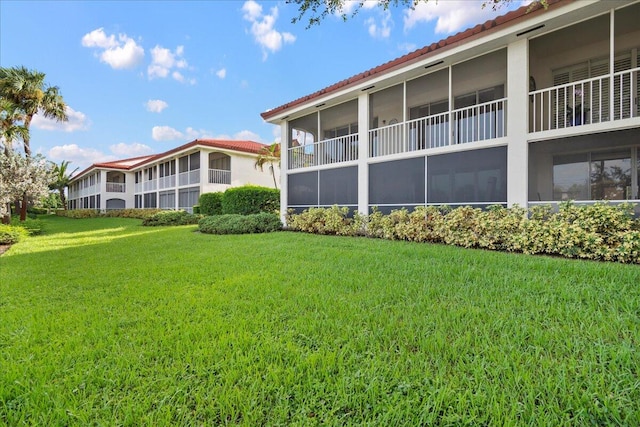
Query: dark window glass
(339, 186)
(303, 189)
(184, 164)
(468, 177)
(194, 161)
(397, 182)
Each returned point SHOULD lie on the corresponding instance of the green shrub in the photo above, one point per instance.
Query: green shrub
(599, 232)
(211, 203)
(196, 209)
(10, 234)
(79, 213)
(37, 210)
(250, 199)
(132, 213)
(32, 226)
(240, 224)
(171, 218)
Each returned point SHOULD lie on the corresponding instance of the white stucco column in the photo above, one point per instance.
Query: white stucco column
(284, 167)
(363, 153)
(517, 122)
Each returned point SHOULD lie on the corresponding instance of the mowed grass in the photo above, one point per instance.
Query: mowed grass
(105, 322)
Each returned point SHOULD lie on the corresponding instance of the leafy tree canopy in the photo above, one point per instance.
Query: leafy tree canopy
(317, 10)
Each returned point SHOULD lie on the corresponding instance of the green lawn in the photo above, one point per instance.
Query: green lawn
(105, 322)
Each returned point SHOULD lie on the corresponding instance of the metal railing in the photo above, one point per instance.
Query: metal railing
(470, 124)
(116, 187)
(150, 185)
(167, 182)
(586, 101)
(219, 176)
(328, 151)
(479, 122)
(188, 178)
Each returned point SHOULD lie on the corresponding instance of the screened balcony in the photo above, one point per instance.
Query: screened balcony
(578, 83)
(219, 168)
(115, 182)
(419, 115)
(338, 129)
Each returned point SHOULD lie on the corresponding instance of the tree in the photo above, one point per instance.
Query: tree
(11, 128)
(23, 175)
(27, 90)
(269, 155)
(317, 10)
(61, 180)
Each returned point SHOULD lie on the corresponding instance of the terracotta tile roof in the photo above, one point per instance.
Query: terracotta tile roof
(510, 18)
(135, 162)
(124, 164)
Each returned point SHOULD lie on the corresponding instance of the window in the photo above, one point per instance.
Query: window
(167, 168)
(188, 197)
(150, 200)
(571, 177)
(607, 175)
(219, 161)
(167, 199)
(476, 177)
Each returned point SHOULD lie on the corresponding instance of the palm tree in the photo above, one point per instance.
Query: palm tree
(62, 178)
(11, 128)
(269, 155)
(31, 95)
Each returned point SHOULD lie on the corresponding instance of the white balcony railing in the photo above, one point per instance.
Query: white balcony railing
(167, 182)
(219, 176)
(188, 178)
(387, 140)
(115, 187)
(586, 102)
(150, 185)
(328, 151)
(137, 187)
(475, 123)
(480, 122)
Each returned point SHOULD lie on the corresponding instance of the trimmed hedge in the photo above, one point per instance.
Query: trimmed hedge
(599, 232)
(211, 203)
(11, 234)
(240, 224)
(249, 199)
(116, 213)
(171, 218)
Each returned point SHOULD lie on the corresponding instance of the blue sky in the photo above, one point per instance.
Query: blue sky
(142, 77)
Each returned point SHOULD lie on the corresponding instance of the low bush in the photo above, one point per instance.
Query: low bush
(37, 210)
(10, 234)
(211, 203)
(79, 213)
(599, 232)
(249, 199)
(240, 224)
(132, 213)
(32, 226)
(171, 218)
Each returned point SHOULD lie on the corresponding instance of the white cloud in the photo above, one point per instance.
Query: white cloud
(167, 133)
(382, 30)
(77, 121)
(263, 28)
(407, 47)
(81, 157)
(156, 105)
(222, 73)
(119, 53)
(164, 62)
(247, 135)
(350, 5)
(450, 15)
(130, 150)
